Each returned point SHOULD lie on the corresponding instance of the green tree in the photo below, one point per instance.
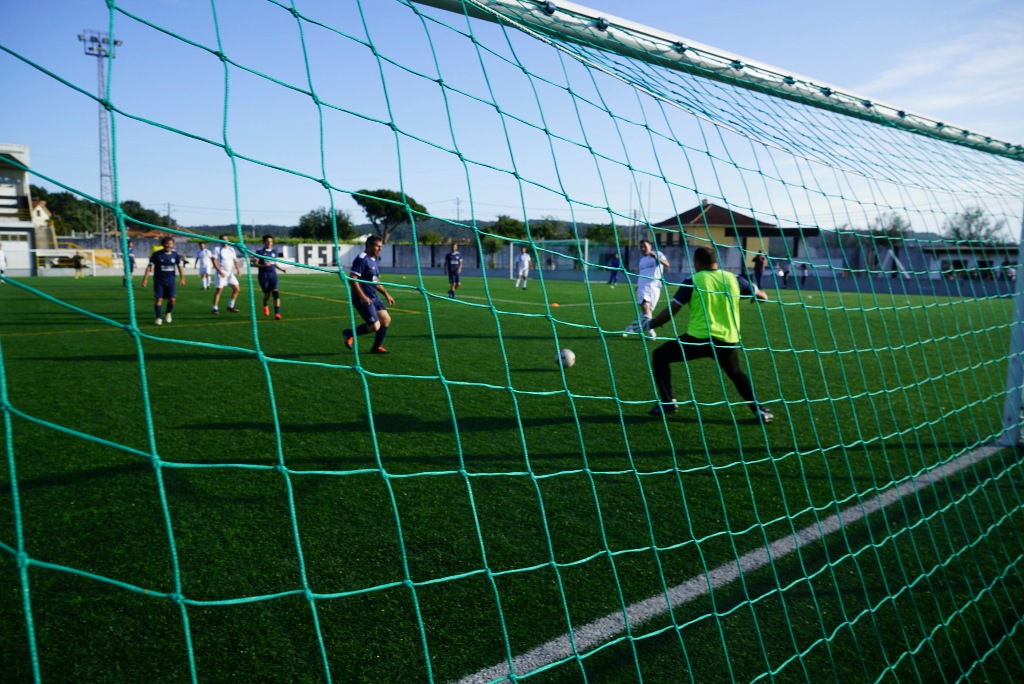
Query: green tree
(318, 225)
(889, 230)
(491, 246)
(509, 227)
(388, 209)
(431, 237)
(137, 217)
(605, 234)
(547, 228)
(972, 224)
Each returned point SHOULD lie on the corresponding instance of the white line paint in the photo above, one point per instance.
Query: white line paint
(610, 626)
(542, 303)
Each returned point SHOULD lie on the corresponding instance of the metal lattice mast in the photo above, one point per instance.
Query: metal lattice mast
(97, 44)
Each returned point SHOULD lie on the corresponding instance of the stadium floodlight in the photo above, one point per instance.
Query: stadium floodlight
(99, 45)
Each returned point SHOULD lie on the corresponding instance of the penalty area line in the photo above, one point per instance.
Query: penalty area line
(614, 624)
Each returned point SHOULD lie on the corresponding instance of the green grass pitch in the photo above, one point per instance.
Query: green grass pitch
(234, 498)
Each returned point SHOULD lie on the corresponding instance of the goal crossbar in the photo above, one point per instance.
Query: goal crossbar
(577, 23)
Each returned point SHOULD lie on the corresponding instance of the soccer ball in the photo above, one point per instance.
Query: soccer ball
(566, 358)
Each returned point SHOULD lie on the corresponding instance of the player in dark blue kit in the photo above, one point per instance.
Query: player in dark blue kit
(453, 265)
(268, 276)
(366, 291)
(162, 265)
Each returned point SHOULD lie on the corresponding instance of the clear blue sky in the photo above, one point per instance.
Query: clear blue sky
(956, 61)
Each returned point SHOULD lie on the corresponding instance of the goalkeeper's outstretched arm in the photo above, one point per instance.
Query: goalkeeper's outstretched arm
(661, 318)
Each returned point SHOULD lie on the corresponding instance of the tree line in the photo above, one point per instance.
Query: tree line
(389, 210)
(889, 229)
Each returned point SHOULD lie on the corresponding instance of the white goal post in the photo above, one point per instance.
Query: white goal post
(61, 262)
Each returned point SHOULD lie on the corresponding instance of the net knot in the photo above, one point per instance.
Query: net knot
(177, 598)
(22, 559)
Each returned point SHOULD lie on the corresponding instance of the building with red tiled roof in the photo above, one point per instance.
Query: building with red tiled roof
(710, 224)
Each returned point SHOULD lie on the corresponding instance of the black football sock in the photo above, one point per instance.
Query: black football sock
(379, 339)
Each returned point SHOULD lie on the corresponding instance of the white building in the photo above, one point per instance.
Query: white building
(17, 229)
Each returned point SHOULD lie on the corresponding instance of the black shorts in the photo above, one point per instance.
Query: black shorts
(369, 311)
(164, 289)
(453, 278)
(268, 281)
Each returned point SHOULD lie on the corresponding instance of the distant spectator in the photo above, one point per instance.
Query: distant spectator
(79, 261)
(614, 265)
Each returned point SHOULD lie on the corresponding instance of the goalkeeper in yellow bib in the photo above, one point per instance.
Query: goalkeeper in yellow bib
(713, 330)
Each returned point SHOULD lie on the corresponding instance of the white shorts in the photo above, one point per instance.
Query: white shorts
(524, 273)
(226, 281)
(649, 291)
(205, 270)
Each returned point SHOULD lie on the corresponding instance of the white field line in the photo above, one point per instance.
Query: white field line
(613, 624)
(542, 303)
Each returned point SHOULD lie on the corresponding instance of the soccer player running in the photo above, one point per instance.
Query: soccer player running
(225, 263)
(453, 264)
(648, 289)
(204, 264)
(523, 262)
(162, 264)
(713, 330)
(366, 291)
(267, 275)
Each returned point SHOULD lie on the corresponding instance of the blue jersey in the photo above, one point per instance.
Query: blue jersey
(263, 264)
(364, 269)
(165, 264)
(453, 260)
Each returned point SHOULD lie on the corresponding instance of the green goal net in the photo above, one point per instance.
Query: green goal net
(237, 498)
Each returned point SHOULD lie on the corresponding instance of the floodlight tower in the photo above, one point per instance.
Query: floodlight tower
(98, 44)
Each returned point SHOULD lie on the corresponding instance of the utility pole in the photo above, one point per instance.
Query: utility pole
(98, 44)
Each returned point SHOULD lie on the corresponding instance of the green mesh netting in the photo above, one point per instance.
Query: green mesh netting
(240, 498)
